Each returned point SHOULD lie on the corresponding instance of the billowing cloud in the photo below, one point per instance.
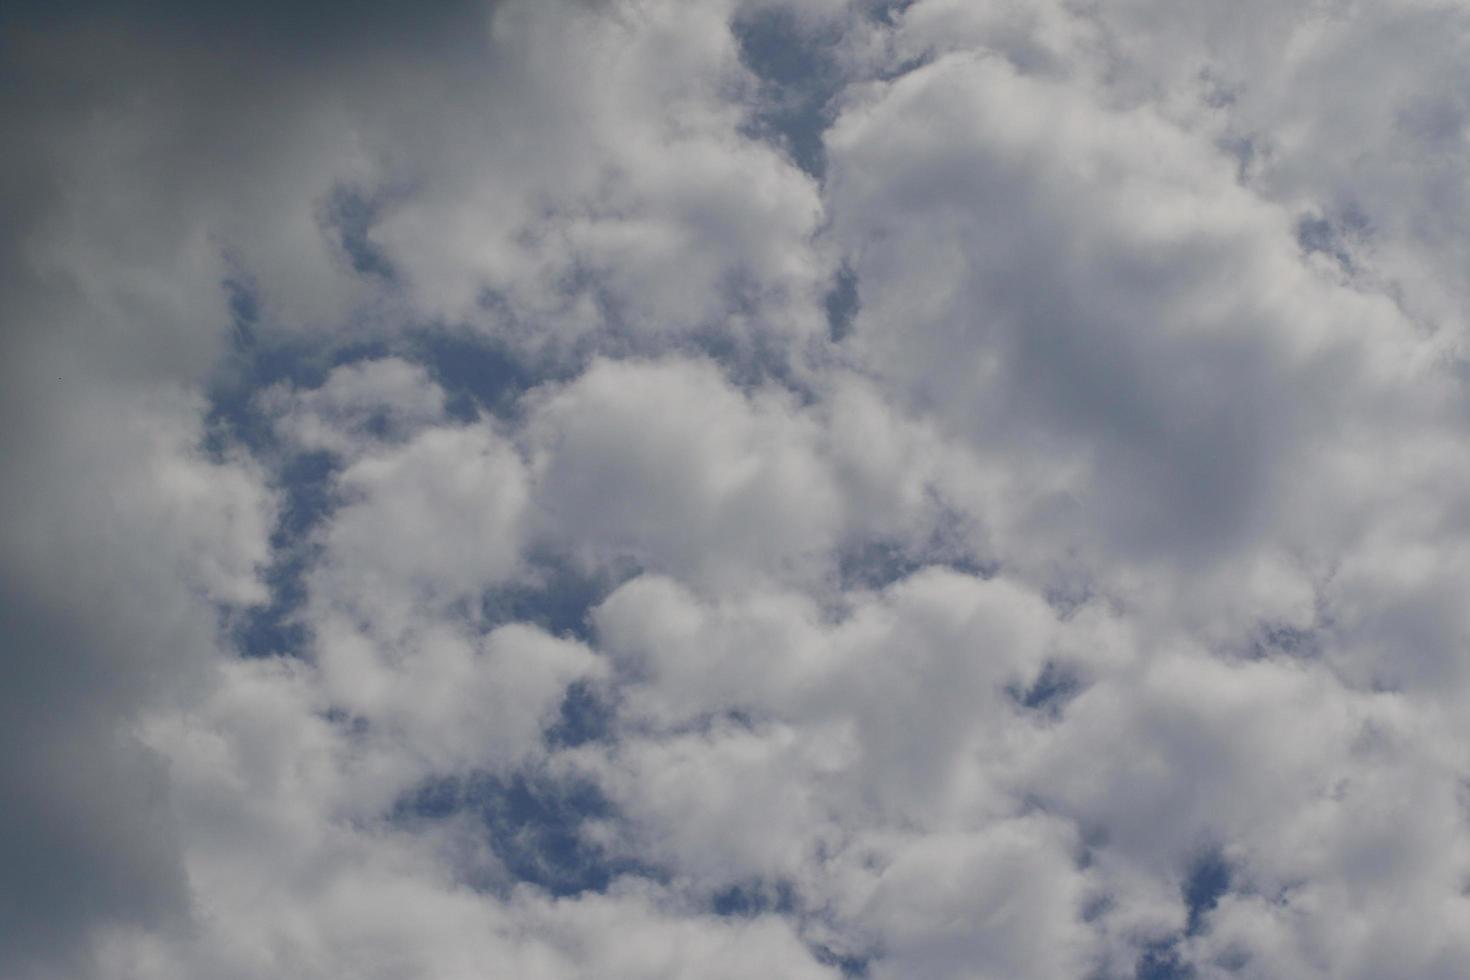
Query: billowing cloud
(724, 489)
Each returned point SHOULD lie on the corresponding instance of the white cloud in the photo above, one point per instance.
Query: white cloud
(555, 202)
(437, 519)
(357, 404)
(1006, 902)
(284, 882)
(669, 464)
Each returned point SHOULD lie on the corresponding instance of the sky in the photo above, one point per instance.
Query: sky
(555, 489)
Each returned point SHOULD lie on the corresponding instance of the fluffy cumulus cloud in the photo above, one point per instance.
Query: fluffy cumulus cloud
(735, 489)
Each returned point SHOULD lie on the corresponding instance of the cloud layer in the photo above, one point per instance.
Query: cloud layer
(724, 489)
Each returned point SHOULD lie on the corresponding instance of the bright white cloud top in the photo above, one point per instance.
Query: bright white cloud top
(729, 489)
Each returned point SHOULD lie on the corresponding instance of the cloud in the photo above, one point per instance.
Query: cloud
(610, 175)
(668, 463)
(665, 489)
(1086, 298)
(355, 405)
(434, 520)
(124, 541)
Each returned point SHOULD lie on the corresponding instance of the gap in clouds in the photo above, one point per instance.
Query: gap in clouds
(236, 423)
(800, 77)
(478, 377)
(536, 824)
(557, 594)
(842, 303)
(1209, 878)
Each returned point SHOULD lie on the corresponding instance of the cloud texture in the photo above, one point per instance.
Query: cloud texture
(656, 489)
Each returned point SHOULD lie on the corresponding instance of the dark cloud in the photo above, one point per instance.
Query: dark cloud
(87, 836)
(270, 28)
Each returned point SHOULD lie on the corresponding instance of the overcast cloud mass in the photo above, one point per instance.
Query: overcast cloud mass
(735, 489)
